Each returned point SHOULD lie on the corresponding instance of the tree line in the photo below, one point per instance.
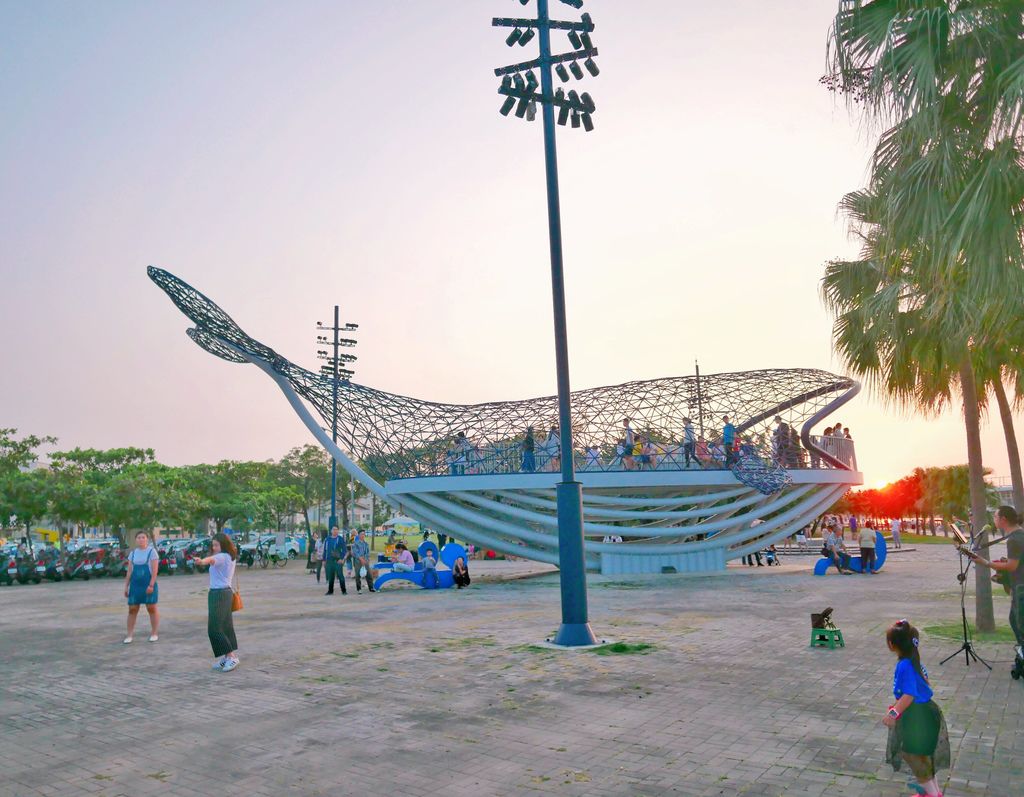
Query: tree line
(925, 494)
(127, 489)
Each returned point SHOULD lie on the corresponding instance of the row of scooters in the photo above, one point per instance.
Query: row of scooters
(47, 563)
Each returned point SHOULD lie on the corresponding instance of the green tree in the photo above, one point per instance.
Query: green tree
(226, 490)
(941, 220)
(307, 469)
(19, 453)
(24, 496)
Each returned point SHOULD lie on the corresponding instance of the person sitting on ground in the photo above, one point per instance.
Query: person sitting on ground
(771, 555)
(403, 559)
(430, 578)
(460, 573)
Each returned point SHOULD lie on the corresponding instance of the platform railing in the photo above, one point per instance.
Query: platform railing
(508, 458)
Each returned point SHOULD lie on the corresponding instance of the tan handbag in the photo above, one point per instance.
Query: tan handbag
(236, 597)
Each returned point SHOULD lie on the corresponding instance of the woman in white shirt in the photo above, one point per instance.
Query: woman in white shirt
(220, 626)
(140, 585)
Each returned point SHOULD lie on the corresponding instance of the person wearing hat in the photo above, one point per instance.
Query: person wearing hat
(689, 441)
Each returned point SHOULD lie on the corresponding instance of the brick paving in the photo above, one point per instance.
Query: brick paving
(424, 693)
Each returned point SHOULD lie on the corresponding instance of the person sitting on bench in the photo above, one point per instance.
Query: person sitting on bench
(403, 560)
(430, 579)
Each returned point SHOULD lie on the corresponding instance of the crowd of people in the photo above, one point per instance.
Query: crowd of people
(635, 450)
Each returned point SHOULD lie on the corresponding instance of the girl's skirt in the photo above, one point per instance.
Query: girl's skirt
(921, 730)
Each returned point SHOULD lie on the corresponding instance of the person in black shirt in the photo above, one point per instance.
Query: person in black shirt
(1008, 522)
(335, 553)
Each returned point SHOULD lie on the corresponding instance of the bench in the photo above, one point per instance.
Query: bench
(823, 564)
(445, 579)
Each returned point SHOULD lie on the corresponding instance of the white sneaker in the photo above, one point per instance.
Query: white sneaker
(127, 640)
(219, 663)
(154, 638)
(229, 665)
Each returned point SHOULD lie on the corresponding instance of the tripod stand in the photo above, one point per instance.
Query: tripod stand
(966, 647)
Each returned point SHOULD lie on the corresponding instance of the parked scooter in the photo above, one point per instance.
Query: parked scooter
(117, 564)
(8, 569)
(53, 568)
(26, 569)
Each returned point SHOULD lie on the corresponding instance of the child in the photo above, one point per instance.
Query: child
(430, 579)
(917, 729)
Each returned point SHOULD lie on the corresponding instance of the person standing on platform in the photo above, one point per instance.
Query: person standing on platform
(335, 552)
(728, 439)
(529, 462)
(689, 442)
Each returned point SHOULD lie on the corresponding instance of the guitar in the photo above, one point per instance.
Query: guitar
(1000, 577)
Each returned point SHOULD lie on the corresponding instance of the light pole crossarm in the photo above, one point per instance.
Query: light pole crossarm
(554, 59)
(562, 102)
(587, 26)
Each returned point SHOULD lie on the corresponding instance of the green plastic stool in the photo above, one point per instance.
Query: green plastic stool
(827, 638)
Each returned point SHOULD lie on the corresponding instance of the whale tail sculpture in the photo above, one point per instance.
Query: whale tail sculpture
(679, 501)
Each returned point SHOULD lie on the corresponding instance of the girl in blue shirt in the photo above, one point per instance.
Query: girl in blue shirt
(917, 729)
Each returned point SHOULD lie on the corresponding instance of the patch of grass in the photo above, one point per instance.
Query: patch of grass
(623, 649)
(956, 630)
(924, 539)
(322, 679)
(102, 777)
(532, 649)
(160, 776)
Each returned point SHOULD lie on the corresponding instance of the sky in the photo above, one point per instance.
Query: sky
(285, 157)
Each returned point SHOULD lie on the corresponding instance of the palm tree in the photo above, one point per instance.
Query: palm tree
(941, 221)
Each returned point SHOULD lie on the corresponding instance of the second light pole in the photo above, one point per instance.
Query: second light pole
(335, 370)
(574, 630)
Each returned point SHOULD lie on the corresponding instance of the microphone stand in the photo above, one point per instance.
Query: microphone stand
(966, 647)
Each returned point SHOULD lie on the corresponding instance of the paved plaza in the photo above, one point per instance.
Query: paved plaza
(421, 693)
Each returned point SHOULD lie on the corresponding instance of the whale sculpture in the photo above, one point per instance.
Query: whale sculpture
(460, 468)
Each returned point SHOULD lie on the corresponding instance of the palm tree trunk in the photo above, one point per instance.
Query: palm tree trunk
(984, 617)
(1012, 452)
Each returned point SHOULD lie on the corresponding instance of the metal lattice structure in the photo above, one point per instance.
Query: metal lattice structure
(460, 467)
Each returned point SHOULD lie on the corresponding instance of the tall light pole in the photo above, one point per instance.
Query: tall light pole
(521, 91)
(337, 372)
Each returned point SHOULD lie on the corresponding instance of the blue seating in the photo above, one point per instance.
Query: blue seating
(449, 554)
(823, 564)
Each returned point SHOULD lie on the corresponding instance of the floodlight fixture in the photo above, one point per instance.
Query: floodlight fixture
(531, 81)
(575, 119)
(588, 122)
(575, 40)
(519, 82)
(588, 43)
(507, 106)
(592, 67)
(513, 37)
(577, 73)
(588, 102)
(563, 75)
(524, 103)
(527, 37)
(350, 327)
(531, 111)
(574, 3)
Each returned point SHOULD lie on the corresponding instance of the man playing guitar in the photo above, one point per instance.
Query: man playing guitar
(1009, 571)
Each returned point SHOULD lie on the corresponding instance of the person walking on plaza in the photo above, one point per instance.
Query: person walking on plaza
(1008, 521)
(140, 586)
(917, 729)
(866, 540)
(335, 552)
(728, 439)
(316, 556)
(896, 527)
(360, 556)
(219, 624)
(529, 463)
